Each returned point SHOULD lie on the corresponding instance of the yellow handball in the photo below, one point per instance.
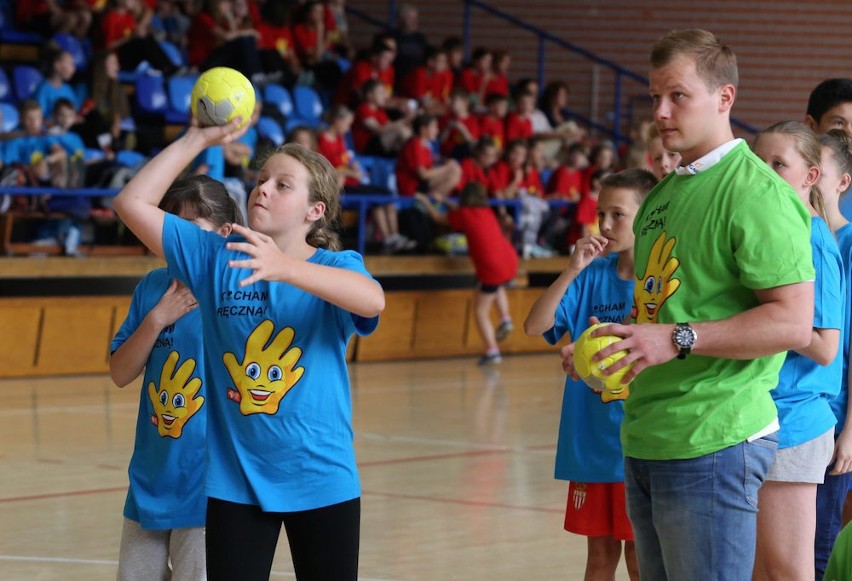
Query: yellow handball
(219, 95)
(592, 372)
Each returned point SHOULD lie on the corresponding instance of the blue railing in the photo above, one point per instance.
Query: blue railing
(360, 202)
(618, 115)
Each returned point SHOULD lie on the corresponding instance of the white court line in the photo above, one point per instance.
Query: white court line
(451, 443)
(114, 563)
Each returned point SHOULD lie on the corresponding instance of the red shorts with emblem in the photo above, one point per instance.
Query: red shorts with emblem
(598, 509)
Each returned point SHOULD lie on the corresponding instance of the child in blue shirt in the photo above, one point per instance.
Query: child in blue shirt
(60, 70)
(38, 154)
(597, 286)
(165, 510)
(278, 305)
(809, 379)
(835, 179)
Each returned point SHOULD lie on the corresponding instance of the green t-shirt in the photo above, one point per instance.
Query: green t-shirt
(704, 243)
(839, 566)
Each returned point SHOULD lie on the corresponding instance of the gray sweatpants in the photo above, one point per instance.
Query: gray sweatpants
(147, 555)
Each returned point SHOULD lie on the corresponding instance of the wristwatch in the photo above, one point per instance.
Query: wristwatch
(684, 337)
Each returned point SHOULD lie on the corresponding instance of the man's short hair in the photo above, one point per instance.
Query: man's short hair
(715, 63)
(828, 95)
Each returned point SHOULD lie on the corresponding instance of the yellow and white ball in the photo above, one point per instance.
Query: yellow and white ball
(590, 371)
(221, 94)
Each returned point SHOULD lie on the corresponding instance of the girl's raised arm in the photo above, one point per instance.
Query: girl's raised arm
(137, 203)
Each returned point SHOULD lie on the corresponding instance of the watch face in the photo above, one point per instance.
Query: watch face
(684, 336)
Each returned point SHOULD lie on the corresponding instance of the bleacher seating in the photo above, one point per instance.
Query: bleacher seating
(180, 94)
(270, 129)
(25, 79)
(279, 97)
(5, 87)
(308, 106)
(73, 46)
(10, 117)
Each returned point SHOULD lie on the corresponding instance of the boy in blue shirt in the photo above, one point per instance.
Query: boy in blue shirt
(598, 283)
(40, 155)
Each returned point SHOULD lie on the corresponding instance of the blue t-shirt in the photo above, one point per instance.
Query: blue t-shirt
(29, 149)
(589, 445)
(72, 143)
(250, 139)
(167, 468)
(838, 404)
(280, 413)
(214, 158)
(46, 94)
(805, 387)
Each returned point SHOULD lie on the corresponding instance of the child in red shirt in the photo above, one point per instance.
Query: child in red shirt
(499, 81)
(378, 66)
(477, 169)
(519, 121)
(492, 123)
(430, 84)
(415, 168)
(373, 133)
(459, 128)
(331, 144)
(494, 260)
(124, 29)
(277, 45)
(566, 183)
(474, 78)
(311, 35)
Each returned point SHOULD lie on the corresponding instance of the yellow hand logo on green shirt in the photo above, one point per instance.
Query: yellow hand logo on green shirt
(266, 374)
(658, 284)
(175, 401)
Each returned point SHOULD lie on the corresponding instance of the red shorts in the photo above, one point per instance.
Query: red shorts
(598, 509)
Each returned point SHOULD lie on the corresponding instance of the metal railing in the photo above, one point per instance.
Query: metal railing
(363, 203)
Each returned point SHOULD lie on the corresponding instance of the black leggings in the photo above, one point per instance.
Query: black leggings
(241, 541)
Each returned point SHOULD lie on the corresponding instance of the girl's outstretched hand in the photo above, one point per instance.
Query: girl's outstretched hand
(266, 257)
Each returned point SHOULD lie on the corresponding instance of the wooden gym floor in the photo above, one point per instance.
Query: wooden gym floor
(456, 468)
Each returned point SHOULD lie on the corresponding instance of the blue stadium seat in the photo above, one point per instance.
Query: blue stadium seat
(92, 154)
(180, 94)
(308, 105)
(73, 46)
(129, 158)
(151, 94)
(10, 117)
(5, 86)
(25, 79)
(270, 129)
(279, 97)
(173, 52)
(381, 170)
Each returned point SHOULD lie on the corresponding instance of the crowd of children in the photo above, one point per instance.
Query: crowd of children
(540, 152)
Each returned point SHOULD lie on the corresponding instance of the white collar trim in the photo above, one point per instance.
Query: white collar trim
(707, 161)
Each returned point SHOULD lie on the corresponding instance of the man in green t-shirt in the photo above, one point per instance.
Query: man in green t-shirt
(724, 286)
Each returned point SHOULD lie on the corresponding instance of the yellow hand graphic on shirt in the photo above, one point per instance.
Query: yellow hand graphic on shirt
(266, 374)
(175, 402)
(657, 285)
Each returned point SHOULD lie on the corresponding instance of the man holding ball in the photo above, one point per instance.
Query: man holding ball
(721, 294)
